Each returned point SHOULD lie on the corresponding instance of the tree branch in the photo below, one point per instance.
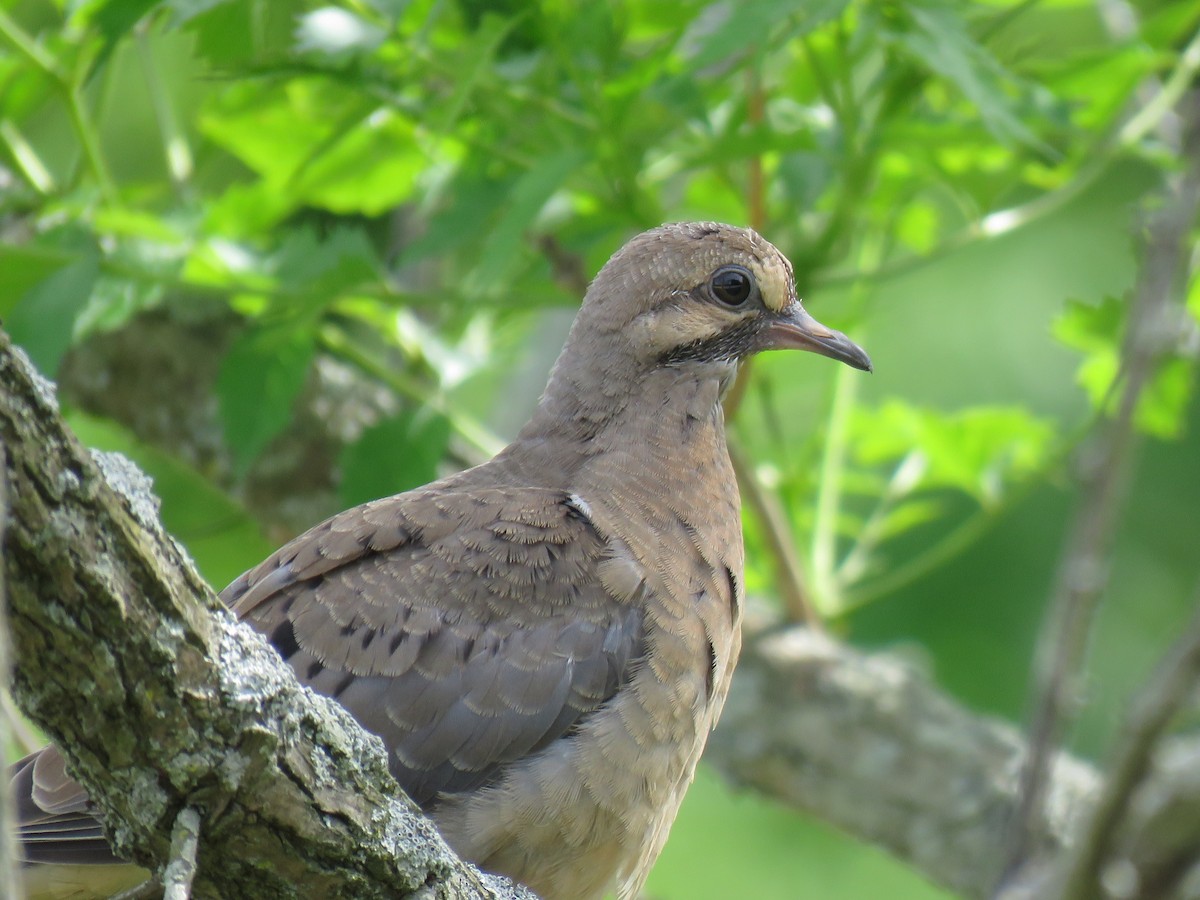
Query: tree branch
(867, 743)
(1152, 333)
(162, 702)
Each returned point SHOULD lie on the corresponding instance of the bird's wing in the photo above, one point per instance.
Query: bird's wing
(467, 628)
(54, 821)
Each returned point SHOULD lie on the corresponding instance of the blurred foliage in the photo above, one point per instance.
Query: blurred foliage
(411, 188)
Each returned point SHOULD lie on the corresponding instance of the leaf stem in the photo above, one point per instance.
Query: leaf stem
(829, 490)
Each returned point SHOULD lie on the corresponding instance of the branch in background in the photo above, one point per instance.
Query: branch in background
(1149, 716)
(867, 743)
(1151, 333)
(163, 703)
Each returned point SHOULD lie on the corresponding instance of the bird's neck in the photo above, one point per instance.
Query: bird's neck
(655, 410)
(632, 460)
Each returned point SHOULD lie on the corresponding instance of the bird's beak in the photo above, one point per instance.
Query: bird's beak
(795, 329)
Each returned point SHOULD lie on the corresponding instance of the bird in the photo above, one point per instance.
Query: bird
(543, 641)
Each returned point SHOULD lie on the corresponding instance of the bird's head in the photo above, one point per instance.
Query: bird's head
(692, 299)
(700, 292)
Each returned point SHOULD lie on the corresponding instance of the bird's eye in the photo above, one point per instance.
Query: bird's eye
(732, 285)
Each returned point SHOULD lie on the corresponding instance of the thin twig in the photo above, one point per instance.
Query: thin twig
(1082, 574)
(756, 204)
(185, 844)
(1149, 715)
(829, 491)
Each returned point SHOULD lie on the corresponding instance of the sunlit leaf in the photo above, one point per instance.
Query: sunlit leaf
(1098, 332)
(917, 227)
(1162, 407)
(977, 451)
(319, 142)
(910, 514)
(935, 36)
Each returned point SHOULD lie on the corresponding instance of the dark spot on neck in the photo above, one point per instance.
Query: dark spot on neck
(732, 580)
(710, 673)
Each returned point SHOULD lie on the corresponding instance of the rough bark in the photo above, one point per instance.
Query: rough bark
(163, 703)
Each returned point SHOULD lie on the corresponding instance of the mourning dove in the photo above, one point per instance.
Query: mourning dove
(543, 642)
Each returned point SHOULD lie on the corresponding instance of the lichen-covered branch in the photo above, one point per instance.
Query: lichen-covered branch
(163, 702)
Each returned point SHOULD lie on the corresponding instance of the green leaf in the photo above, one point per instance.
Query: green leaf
(224, 29)
(917, 226)
(910, 514)
(1095, 330)
(501, 255)
(24, 266)
(978, 451)
(325, 266)
(395, 455)
(936, 38)
(114, 19)
(43, 322)
(113, 302)
(323, 143)
(726, 28)
(1162, 407)
(1098, 332)
(257, 386)
(470, 198)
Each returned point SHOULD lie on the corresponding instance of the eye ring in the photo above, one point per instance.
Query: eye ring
(731, 285)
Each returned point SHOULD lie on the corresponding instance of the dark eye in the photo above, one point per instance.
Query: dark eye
(732, 285)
